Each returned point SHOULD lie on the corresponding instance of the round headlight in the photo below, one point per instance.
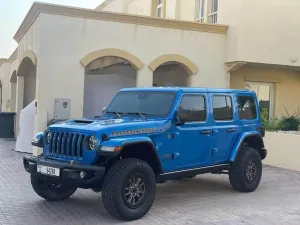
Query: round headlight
(93, 142)
(48, 137)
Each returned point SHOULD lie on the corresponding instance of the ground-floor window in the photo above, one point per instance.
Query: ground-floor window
(265, 95)
(159, 8)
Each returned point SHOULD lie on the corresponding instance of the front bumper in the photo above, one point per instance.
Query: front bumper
(68, 171)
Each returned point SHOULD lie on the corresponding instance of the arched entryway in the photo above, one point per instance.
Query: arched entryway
(13, 91)
(27, 76)
(172, 70)
(25, 101)
(106, 72)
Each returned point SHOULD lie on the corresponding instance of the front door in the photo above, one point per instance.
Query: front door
(223, 127)
(194, 136)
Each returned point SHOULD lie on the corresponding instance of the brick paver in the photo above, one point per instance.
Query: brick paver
(206, 199)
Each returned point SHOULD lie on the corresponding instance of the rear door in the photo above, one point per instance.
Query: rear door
(224, 128)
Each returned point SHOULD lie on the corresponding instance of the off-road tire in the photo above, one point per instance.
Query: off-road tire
(113, 189)
(42, 186)
(237, 173)
(96, 190)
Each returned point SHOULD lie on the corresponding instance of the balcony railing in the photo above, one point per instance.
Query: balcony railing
(213, 17)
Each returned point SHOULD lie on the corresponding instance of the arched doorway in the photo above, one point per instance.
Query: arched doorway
(27, 72)
(172, 70)
(25, 102)
(106, 72)
(13, 91)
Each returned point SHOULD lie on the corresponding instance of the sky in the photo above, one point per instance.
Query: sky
(13, 12)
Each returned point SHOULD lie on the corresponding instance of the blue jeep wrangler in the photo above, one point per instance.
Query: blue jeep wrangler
(148, 136)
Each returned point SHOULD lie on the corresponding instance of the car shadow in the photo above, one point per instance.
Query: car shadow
(89, 205)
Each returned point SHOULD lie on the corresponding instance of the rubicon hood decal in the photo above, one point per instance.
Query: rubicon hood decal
(134, 131)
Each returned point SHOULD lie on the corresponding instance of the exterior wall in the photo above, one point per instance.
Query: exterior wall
(14, 65)
(29, 41)
(66, 40)
(138, 7)
(187, 9)
(13, 95)
(262, 31)
(13, 86)
(268, 37)
(286, 84)
(135, 7)
(5, 80)
(230, 12)
(283, 153)
(112, 6)
(171, 7)
(59, 64)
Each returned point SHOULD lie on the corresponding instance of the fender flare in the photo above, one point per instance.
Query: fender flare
(239, 141)
(132, 141)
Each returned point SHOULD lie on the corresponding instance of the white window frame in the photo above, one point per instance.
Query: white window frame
(213, 15)
(159, 7)
(272, 91)
(201, 11)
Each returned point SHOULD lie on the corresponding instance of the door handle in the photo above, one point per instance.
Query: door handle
(205, 132)
(230, 130)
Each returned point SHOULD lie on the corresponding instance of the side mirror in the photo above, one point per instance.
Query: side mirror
(103, 110)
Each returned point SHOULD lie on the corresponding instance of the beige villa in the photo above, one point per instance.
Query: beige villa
(87, 55)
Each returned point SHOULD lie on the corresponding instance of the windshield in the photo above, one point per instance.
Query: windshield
(157, 104)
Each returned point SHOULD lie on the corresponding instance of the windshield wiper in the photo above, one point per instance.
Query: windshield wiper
(143, 115)
(118, 113)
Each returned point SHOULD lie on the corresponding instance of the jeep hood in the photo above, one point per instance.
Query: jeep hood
(105, 125)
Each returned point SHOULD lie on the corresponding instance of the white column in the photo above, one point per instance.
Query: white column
(12, 97)
(144, 77)
(206, 10)
(227, 74)
(19, 100)
(40, 125)
(194, 80)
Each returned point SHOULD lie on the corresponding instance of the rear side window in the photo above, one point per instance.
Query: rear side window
(195, 106)
(246, 107)
(222, 107)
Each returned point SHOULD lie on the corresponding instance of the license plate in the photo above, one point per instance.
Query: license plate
(48, 170)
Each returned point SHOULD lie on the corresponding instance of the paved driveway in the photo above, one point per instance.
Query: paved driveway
(207, 199)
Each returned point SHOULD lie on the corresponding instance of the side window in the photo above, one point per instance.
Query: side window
(247, 107)
(222, 107)
(194, 105)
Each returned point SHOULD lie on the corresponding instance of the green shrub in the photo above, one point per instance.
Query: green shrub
(290, 122)
(264, 115)
(272, 124)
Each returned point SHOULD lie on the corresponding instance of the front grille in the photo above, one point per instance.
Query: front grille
(66, 144)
